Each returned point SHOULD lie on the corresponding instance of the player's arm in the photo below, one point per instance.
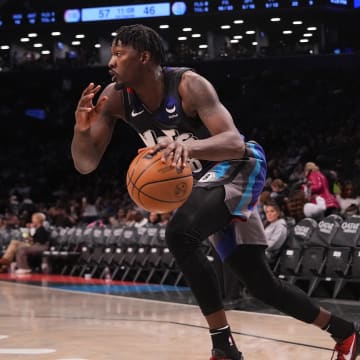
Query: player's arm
(94, 125)
(200, 98)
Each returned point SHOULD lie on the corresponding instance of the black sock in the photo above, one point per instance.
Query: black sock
(339, 329)
(222, 339)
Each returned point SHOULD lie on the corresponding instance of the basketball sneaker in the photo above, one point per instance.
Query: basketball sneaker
(349, 348)
(217, 354)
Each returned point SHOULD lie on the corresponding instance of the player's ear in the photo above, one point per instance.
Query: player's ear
(145, 57)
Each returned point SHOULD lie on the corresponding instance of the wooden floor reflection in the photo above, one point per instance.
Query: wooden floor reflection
(44, 323)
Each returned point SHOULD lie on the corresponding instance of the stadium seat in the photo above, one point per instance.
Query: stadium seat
(153, 265)
(129, 236)
(349, 233)
(336, 268)
(315, 253)
(325, 231)
(171, 273)
(289, 261)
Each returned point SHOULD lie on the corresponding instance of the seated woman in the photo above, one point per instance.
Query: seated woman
(275, 229)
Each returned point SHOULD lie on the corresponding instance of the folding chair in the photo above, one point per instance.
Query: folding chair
(153, 264)
(312, 265)
(79, 268)
(128, 262)
(337, 267)
(289, 260)
(116, 263)
(171, 272)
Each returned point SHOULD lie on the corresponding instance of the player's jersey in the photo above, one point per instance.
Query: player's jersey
(243, 178)
(168, 120)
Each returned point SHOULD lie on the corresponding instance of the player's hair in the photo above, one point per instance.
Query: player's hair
(142, 38)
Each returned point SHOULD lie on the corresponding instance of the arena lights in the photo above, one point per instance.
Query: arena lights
(114, 33)
(203, 46)
(79, 36)
(75, 43)
(287, 32)
(97, 46)
(164, 26)
(225, 27)
(275, 19)
(38, 45)
(45, 52)
(182, 38)
(187, 29)
(307, 35)
(234, 41)
(304, 40)
(297, 22)
(311, 28)
(238, 37)
(24, 39)
(238, 22)
(254, 43)
(250, 32)
(195, 35)
(4, 47)
(32, 35)
(56, 33)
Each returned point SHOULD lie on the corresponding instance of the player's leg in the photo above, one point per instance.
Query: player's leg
(203, 214)
(250, 264)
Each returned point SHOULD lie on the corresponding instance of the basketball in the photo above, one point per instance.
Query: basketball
(156, 186)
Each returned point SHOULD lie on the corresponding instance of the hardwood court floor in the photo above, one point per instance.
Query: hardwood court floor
(44, 323)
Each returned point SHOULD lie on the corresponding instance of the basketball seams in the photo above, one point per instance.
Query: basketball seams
(164, 180)
(144, 169)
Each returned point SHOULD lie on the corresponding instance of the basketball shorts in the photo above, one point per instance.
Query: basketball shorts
(243, 181)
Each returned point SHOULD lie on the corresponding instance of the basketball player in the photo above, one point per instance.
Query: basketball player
(177, 111)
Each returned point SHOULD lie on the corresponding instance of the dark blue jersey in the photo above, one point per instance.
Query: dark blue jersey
(168, 120)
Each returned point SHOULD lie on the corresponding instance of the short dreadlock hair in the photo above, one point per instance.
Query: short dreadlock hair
(142, 38)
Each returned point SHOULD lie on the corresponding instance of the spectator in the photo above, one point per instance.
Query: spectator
(279, 192)
(295, 205)
(34, 244)
(89, 211)
(153, 218)
(322, 201)
(121, 216)
(165, 218)
(348, 199)
(140, 218)
(263, 199)
(275, 229)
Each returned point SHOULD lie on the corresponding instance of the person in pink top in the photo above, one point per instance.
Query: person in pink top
(322, 201)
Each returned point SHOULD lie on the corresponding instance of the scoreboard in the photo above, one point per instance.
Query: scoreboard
(135, 10)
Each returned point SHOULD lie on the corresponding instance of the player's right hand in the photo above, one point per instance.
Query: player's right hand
(86, 113)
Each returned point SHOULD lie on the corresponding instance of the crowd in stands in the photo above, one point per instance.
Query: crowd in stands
(300, 119)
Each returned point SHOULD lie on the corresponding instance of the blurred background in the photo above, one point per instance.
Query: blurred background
(287, 70)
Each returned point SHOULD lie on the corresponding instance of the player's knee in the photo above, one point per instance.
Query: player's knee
(266, 289)
(181, 237)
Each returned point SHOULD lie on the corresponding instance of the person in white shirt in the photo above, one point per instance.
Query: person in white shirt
(348, 199)
(275, 229)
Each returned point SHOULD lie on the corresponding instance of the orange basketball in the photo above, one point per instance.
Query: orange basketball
(156, 186)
